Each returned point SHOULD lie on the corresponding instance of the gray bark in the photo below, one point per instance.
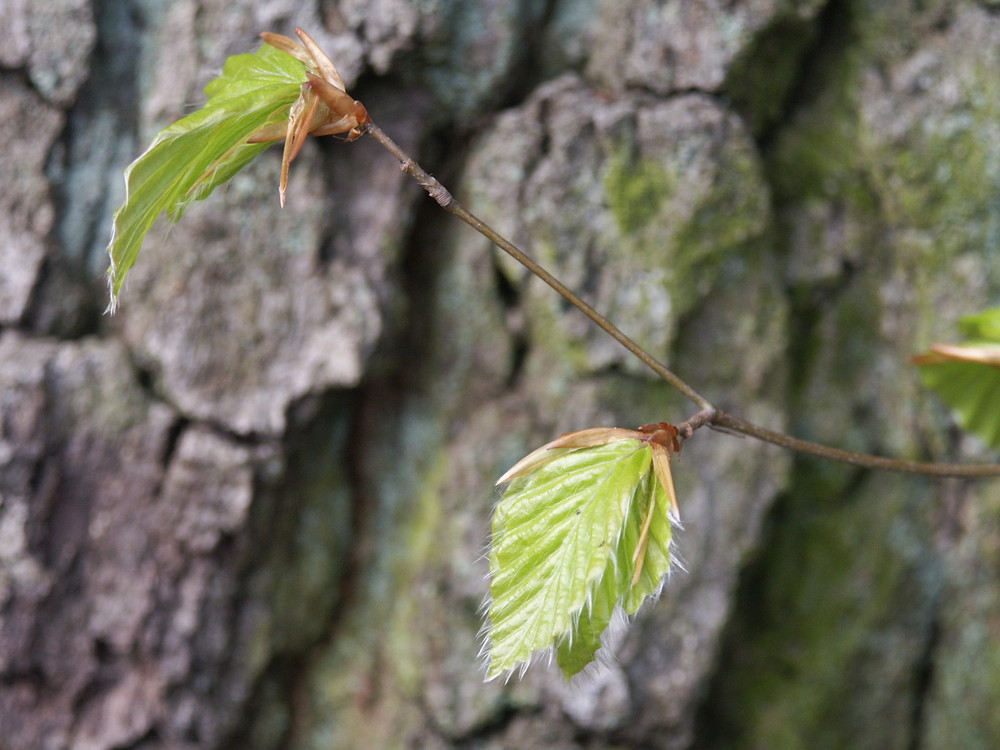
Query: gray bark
(248, 511)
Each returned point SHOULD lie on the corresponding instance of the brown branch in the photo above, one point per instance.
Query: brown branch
(448, 203)
(708, 414)
(741, 426)
(735, 425)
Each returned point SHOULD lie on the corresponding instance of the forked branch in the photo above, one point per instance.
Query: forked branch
(708, 414)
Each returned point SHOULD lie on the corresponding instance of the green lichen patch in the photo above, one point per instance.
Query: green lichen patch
(636, 190)
(942, 177)
(731, 214)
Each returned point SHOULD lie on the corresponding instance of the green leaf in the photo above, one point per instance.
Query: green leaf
(983, 326)
(564, 537)
(193, 156)
(656, 563)
(967, 376)
(972, 390)
(615, 589)
(553, 532)
(578, 647)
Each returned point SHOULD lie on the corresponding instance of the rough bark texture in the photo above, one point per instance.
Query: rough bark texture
(249, 510)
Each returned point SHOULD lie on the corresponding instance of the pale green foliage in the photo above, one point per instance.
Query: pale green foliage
(973, 391)
(564, 538)
(967, 377)
(191, 157)
(982, 327)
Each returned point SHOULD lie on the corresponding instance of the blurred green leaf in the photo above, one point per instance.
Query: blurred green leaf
(564, 536)
(967, 376)
(983, 326)
(972, 390)
(191, 157)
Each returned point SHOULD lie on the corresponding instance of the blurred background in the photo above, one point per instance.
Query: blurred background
(250, 509)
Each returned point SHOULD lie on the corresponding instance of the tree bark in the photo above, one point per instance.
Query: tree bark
(249, 510)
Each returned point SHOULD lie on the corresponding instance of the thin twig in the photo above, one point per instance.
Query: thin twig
(739, 427)
(708, 414)
(448, 203)
(850, 457)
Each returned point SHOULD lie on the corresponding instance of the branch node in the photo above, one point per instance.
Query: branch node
(428, 182)
(685, 430)
(440, 193)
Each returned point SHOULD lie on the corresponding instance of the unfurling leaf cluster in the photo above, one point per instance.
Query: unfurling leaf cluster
(286, 90)
(190, 158)
(583, 529)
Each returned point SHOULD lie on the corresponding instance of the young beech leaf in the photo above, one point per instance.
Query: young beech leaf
(616, 587)
(568, 546)
(967, 376)
(191, 157)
